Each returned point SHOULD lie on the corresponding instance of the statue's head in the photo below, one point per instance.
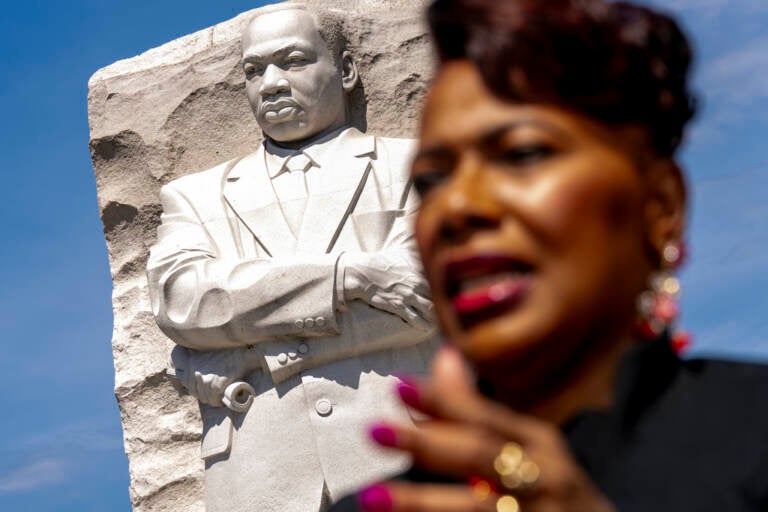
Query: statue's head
(298, 72)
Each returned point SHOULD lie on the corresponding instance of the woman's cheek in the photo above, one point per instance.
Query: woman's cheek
(585, 203)
(425, 230)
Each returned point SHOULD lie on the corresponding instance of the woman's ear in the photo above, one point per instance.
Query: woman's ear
(666, 206)
(349, 74)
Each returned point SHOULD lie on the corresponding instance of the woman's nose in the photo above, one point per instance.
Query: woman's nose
(469, 204)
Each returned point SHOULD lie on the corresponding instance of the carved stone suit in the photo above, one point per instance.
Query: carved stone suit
(228, 272)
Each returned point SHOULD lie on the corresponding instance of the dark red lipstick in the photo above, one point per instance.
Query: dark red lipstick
(484, 286)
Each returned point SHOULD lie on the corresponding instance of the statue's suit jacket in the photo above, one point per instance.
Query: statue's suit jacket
(227, 272)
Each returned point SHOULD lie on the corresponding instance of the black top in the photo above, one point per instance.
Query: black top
(683, 436)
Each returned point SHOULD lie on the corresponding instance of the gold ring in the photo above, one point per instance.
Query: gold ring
(515, 470)
(507, 504)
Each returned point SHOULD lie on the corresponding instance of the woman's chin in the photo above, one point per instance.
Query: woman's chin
(506, 341)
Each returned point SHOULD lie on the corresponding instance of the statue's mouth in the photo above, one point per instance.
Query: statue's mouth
(279, 110)
(284, 114)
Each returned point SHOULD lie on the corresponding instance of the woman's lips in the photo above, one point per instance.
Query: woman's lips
(483, 287)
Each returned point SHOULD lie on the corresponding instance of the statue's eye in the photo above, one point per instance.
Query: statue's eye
(252, 70)
(296, 59)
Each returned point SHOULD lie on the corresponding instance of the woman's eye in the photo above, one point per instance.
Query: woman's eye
(526, 155)
(424, 182)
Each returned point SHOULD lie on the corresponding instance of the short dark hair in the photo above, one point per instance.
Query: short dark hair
(329, 23)
(614, 61)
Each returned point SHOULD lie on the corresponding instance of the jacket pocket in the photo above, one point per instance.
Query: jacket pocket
(217, 432)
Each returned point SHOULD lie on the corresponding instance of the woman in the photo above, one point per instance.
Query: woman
(553, 214)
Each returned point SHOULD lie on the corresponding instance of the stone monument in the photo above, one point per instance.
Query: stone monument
(285, 273)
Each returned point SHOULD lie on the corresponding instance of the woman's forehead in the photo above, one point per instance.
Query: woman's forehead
(461, 109)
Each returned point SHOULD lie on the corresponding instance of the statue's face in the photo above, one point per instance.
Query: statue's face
(293, 84)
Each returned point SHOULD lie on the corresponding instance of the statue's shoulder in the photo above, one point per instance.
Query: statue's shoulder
(393, 144)
(208, 180)
(397, 153)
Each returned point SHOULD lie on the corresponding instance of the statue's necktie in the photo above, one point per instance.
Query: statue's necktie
(298, 163)
(293, 211)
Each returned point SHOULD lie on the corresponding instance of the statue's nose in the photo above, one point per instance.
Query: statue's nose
(273, 81)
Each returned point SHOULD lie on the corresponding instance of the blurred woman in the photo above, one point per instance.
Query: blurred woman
(553, 215)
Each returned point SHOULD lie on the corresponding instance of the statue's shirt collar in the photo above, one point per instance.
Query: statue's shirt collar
(349, 140)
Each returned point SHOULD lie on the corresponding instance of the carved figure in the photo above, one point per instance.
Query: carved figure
(289, 281)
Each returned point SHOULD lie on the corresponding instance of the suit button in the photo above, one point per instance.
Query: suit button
(320, 321)
(309, 323)
(299, 324)
(323, 407)
(303, 348)
(282, 358)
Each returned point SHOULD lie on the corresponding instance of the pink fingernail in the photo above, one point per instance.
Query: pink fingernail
(375, 498)
(384, 435)
(406, 377)
(409, 394)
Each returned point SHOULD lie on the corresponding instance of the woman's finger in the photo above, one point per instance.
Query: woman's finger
(451, 395)
(406, 497)
(445, 448)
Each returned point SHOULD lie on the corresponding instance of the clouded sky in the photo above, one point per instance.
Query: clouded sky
(60, 438)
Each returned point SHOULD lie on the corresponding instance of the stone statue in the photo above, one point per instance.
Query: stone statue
(289, 281)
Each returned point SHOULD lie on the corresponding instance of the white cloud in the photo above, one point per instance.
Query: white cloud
(725, 284)
(56, 455)
(33, 476)
(730, 227)
(87, 435)
(735, 91)
(740, 76)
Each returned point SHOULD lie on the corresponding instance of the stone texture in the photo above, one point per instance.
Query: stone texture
(178, 109)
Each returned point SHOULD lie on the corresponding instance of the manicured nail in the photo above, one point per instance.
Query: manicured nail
(375, 498)
(384, 435)
(407, 378)
(409, 393)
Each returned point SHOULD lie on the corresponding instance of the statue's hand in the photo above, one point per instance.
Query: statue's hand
(389, 283)
(206, 375)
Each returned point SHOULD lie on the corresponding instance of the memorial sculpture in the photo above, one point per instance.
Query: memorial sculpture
(175, 110)
(289, 281)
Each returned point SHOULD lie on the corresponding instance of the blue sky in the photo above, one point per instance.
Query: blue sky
(60, 437)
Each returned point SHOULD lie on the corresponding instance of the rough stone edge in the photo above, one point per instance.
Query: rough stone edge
(186, 47)
(176, 51)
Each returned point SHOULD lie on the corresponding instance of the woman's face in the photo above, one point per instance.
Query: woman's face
(531, 228)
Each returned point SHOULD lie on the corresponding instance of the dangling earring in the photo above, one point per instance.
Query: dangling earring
(658, 307)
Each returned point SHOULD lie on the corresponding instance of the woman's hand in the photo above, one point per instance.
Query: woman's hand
(463, 439)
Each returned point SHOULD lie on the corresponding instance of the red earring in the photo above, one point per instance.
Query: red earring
(658, 307)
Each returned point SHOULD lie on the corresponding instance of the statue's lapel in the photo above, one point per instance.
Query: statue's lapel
(249, 193)
(345, 170)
